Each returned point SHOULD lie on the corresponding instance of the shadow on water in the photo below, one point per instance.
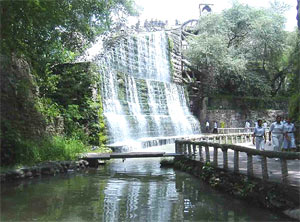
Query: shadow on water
(134, 190)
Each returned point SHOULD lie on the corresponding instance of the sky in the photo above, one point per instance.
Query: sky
(184, 10)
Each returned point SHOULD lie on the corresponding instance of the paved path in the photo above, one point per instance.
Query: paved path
(274, 167)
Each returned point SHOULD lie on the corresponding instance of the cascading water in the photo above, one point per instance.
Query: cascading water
(139, 99)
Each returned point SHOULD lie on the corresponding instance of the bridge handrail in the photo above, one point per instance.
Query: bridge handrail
(265, 153)
(189, 147)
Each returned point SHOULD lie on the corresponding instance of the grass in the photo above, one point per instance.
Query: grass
(56, 148)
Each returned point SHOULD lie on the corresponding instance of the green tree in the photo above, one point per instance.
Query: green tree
(52, 32)
(37, 36)
(241, 51)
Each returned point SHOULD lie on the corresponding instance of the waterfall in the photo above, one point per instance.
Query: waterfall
(139, 98)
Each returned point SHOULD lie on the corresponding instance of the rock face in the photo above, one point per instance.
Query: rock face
(236, 119)
(19, 116)
(175, 54)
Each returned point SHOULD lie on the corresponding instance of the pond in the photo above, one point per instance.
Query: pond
(130, 190)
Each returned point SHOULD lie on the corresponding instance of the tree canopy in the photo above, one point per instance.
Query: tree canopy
(242, 51)
(51, 32)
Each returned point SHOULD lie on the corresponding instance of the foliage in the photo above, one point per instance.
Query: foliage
(31, 151)
(170, 49)
(44, 34)
(242, 51)
(71, 98)
(49, 32)
(294, 82)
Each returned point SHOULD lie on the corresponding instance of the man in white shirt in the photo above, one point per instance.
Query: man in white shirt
(289, 137)
(215, 130)
(207, 126)
(276, 130)
(259, 135)
(247, 126)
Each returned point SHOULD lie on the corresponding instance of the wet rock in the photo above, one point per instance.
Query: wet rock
(36, 171)
(15, 174)
(48, 170)
(293, 213)
(28, 174)
(2, 177)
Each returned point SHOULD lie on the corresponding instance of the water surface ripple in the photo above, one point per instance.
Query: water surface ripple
(133, 190)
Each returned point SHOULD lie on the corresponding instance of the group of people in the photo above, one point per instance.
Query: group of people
(215, 130)
(281, 134)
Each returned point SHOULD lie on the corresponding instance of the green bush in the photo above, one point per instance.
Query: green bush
(29, 152)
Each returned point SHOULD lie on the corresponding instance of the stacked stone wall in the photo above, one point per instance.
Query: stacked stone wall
(235, 118)
(176, 54)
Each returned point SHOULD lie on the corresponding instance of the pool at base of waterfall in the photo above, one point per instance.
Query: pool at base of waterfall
(124, 190)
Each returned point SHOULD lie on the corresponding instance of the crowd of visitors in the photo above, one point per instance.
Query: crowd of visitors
(281, 134)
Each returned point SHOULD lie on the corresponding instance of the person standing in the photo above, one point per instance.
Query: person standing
(247, 126)
(276, 130)
(289, 137)
(215, 130)
(260, 136)
(207, 126)
(265, 124)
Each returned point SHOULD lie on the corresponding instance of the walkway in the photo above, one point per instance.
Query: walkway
(274, 167)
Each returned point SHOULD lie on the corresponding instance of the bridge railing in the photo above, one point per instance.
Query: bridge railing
(235, 130)
(231, 138)
(189, 148)
(238, 130)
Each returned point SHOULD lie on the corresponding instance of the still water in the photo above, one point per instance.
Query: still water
(133, 190)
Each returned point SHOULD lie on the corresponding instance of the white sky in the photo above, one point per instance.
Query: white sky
(184, 10)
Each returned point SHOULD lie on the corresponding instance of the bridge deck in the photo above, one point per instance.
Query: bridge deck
(107, 156)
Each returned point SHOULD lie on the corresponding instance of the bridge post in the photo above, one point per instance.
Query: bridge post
(181, 148)
(249, 165)
(236, 161)
(264, 168)
(215, 156)
(176, 147)
(207, 154)
(284, 171)
(226, 139)
(225, 159)
(200, 153)
(194, 149)
(189, 148)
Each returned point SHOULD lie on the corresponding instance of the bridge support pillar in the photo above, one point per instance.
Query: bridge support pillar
(249, 165)
(264, 168)
(236, 161)
(284, 171)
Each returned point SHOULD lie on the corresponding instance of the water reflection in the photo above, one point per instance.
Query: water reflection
(134, 190)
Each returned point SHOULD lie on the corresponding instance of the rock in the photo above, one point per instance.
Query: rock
(28, 174)
(293, 213)
(36, 171)
(15, 174)
(48, 170)
(2, 177)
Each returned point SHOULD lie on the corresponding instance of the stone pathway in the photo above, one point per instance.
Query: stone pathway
(274, 168)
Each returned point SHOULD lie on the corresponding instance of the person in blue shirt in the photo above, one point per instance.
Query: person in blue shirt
(289, 137)
(260, 136)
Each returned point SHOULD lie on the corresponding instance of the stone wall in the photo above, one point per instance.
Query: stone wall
(235, 118)
(174, 36)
